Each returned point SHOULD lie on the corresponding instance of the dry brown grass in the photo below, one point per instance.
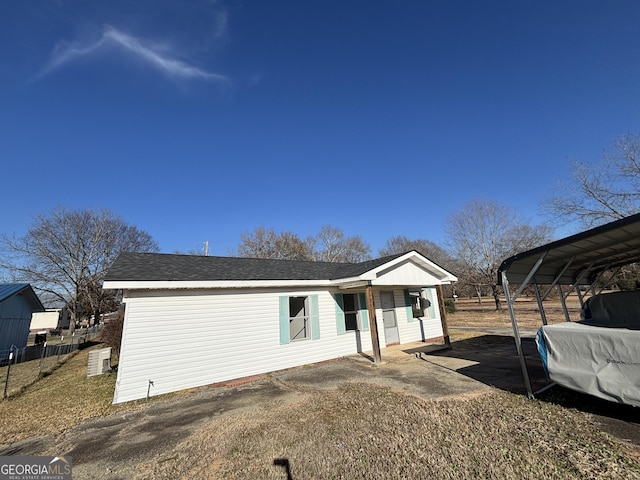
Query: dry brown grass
(471, 314)
(21, 375)
(360, 431)
(58, 401)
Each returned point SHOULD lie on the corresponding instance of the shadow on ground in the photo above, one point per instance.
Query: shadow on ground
(490, 359)
(493, 360)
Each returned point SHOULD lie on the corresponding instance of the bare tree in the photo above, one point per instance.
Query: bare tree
(331, 245)
(266, 243)
(429, 249)
(484, 233)
(603, 191)
(66, 255)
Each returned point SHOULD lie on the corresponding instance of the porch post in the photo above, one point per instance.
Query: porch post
(375, 343)
(443, 316)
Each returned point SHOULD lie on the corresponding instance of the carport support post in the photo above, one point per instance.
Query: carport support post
(375, 343)
(516, 335)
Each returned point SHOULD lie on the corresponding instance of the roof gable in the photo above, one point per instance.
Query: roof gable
(407, 272)
(8, 290)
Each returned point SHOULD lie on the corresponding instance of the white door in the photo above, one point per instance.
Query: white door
(389, 318)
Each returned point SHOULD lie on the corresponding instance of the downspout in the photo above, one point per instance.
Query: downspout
(375, 342)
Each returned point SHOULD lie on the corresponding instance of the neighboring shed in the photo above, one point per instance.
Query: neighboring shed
(50, 319)
(197, 320)
(18, 301)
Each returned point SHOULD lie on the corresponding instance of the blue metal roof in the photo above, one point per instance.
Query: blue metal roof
(10, 289)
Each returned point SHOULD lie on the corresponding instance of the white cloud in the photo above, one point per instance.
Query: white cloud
(65, 53)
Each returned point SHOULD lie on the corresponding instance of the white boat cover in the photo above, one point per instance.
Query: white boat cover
(599, 355)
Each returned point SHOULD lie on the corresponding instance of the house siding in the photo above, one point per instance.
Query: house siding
(186, 339)
(182, 340)
(419, 329)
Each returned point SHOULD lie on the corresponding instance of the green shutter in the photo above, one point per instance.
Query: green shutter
(432, 307)
(340, 323)
(284, 320)
(315, 317)
(407, 304)
(364, 313)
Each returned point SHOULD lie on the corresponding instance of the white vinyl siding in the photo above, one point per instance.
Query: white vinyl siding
(185, 339)
(182, 339)
(412, 331)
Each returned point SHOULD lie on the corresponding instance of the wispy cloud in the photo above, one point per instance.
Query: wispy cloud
(65, 53)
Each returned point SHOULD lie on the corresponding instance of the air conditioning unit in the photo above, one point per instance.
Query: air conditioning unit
(99, 362)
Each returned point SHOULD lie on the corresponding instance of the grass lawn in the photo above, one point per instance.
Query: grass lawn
(58, 401)
(361, 432)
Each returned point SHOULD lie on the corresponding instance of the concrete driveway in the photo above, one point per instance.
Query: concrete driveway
(110, 447)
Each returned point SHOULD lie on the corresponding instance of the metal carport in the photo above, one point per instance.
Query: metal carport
(575, 261)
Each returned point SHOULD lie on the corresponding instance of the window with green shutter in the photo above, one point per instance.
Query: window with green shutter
(346, 312)
(364, 312)
(299, 318)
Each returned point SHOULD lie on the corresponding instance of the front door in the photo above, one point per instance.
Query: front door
(389, 318)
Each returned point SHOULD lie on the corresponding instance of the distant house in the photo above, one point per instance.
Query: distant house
(197, 320)
(18, 301)
(50, 319)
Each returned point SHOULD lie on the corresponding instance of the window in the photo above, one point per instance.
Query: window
(417, 304)
(351, 312)
(299, 318)
(350, 305)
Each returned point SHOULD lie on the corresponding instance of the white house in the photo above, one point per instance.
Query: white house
(197, 320)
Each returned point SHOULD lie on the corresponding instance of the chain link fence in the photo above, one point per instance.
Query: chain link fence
(20, 367)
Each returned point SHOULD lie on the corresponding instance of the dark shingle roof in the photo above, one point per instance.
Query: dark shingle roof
(168, 267)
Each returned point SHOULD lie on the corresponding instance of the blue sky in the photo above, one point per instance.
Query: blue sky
(197, 121)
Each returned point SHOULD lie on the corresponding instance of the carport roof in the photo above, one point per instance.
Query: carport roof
(578, 259)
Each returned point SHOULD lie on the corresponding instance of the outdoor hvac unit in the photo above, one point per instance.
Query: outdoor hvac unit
(99, 362)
